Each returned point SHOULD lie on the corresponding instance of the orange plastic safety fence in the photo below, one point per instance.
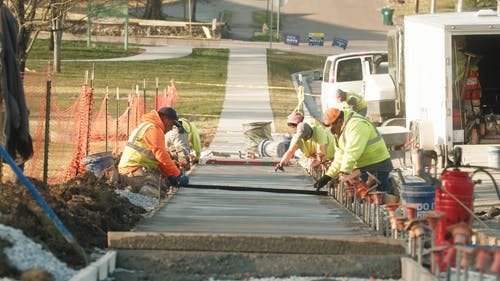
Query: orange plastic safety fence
(168, 97)
(76, 129)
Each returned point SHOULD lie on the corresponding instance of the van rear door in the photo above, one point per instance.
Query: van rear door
(341, 73)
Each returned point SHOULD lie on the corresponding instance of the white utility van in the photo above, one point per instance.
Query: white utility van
(365, 73)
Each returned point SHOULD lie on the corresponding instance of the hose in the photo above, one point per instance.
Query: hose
(478, 169)
(60, 226)
(482, 169)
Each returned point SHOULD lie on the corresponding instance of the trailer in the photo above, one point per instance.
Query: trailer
(445, 67)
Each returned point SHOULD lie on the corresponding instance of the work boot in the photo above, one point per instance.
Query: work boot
(112, 175)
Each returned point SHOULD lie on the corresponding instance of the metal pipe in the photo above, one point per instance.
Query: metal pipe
(419, 249)
(458, 267)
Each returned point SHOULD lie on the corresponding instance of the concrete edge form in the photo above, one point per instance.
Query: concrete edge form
(98, 270)
(255, 243)
(412, 271)
(180, 265)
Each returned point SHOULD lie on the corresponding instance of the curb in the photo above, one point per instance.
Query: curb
(98, 270)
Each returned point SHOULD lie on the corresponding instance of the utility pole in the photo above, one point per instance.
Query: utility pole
(189, 15)
(89, 24)
(271, 26)
(125, 43)
(460, 5)
(278, 21)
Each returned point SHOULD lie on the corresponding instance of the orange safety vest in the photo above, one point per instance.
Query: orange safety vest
(472, 87)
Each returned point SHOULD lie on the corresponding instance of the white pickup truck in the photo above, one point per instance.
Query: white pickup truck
(365, 73)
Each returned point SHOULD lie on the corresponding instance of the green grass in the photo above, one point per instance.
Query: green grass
(200, 79)
(78, 50)
(282, 93)
(261, 17)
(227, 17)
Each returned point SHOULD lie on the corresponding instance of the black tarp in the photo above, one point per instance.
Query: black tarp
(18, 140)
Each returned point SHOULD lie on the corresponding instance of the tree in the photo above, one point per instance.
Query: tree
(25, 12)
(153, 10)
(33, 16)
(58, 9)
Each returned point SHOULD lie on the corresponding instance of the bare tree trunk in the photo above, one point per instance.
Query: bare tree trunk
(184, 9)
(153, 10)
(193, 14)
(24, 33)
(57, 36)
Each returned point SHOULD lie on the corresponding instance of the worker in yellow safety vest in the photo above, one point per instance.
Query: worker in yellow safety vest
(353, 101)
(145, 159)
(184, 144)
(359, 146)
(314, 143)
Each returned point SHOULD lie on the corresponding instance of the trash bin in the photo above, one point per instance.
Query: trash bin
(387, 13)
(255, 132)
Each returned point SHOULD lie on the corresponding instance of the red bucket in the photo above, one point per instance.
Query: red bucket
(461, 187)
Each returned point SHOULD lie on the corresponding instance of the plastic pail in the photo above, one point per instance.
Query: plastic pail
(417, 191)
(255, 132)
(269, 148)
(97, 163)
(494, 156)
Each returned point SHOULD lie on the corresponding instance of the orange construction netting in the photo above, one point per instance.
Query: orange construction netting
(78, 125)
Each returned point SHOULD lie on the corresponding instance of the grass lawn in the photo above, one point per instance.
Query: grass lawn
(200, 79)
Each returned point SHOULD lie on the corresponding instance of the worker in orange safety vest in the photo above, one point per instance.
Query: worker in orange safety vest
(145, 159)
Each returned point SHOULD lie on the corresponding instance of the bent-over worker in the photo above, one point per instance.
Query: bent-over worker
(359, 146)
(184, 144)
(353, 101)
(145, 158)
(315, 144)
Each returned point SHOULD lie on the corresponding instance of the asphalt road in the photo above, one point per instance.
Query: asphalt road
(359, 22)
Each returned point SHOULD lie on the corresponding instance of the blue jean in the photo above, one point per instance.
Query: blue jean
(383, 177)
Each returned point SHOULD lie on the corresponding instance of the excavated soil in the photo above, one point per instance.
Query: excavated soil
(86, 205)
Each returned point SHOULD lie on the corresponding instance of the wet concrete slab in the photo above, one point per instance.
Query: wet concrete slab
(198, 210)
(248, 173)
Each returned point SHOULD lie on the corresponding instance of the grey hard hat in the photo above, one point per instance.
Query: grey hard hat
(304, 130)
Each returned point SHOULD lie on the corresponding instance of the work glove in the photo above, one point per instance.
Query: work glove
(322, 182)
(183, 180)
(279, 166)
(173, 181)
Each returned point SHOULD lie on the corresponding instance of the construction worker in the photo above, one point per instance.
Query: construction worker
(184, 144)
(145, 159)
(353, 101)
(314, 143)
(359, 146)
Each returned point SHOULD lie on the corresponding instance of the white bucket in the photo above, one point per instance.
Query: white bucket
(494, 157)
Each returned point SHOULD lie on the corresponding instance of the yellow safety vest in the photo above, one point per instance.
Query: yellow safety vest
(136, 152)
(374, 151)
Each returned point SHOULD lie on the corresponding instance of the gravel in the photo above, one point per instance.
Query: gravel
(25, 254)
(147, 202)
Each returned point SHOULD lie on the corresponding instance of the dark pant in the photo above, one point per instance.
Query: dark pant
(383, 177)
(381, 171)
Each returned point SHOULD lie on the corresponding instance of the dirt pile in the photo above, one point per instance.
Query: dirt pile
(88, 207)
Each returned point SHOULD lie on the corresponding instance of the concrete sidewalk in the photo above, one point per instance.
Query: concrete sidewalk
(246, 100)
